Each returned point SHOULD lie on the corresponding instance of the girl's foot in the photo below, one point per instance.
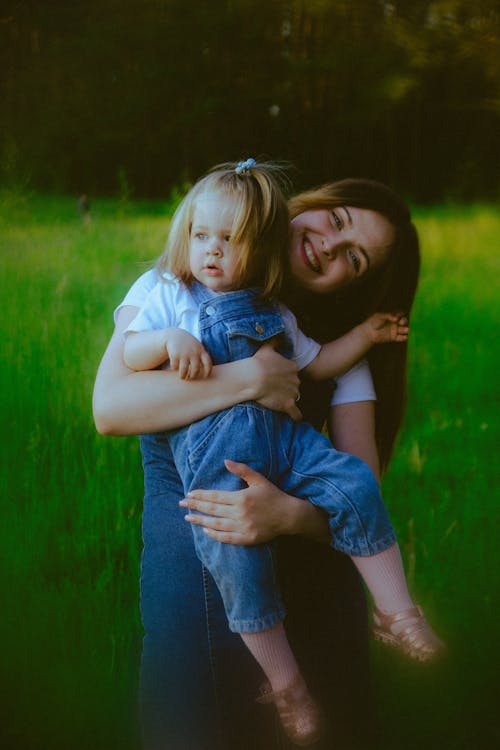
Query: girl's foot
(409, 631)
(299, 713)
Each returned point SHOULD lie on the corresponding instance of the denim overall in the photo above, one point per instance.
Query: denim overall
(292, 455)
(198, 680)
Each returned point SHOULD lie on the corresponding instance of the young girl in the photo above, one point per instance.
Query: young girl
(222, 266)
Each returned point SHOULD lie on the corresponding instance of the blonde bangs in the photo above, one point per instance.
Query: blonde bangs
(260, 228)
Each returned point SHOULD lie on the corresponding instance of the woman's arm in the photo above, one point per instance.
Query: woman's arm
(262, 511)
(129, 403)
(256, 514)
(352, 430)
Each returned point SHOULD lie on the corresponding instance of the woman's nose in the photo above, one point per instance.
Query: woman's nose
(329, 246)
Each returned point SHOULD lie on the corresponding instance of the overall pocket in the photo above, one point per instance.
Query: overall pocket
(246, 335)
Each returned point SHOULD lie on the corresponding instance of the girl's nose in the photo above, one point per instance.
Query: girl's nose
(214, 248)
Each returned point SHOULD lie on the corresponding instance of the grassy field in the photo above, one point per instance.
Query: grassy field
(71, 500)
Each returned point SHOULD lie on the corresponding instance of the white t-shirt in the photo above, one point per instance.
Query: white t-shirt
(170, 305)
(355, 385)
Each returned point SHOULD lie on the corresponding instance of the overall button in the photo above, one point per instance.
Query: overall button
(259, 328)
(210, 310)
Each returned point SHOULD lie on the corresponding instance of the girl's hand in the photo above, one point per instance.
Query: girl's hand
(276, 381)
(187, 354)
(387, 328)
(254, 515)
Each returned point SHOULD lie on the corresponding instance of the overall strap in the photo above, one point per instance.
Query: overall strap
(218, 305)
(200, 293)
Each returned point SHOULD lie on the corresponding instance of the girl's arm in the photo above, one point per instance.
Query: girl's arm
(262, 511)
(340, 355)
(130, 403)
(145, 350)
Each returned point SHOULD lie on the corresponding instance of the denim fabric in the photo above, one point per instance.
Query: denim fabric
(292, 455)
(198, 681)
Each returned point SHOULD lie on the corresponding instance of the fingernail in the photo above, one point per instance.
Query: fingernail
(183, 503)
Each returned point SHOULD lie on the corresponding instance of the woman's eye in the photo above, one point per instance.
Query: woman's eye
(355, 261)
(337, 220)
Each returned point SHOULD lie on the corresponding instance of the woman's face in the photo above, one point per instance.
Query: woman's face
(330, 249)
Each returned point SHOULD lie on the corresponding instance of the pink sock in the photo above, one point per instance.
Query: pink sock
(272, 651)
(384, 575)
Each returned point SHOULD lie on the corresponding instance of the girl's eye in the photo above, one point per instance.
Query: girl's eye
(227, 238)
(337, 220)
(354, 260)
(200, 236)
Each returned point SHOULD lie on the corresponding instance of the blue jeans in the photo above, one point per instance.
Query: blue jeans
(198, 681)
(187, 641)
(292, 455)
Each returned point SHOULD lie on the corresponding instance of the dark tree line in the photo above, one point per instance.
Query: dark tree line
(150, 93)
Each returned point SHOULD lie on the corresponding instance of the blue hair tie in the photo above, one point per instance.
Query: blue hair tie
(245, 166)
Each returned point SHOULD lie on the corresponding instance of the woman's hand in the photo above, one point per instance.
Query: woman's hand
(131, 403)
(254, 515)
(250, 516)
(276, 381)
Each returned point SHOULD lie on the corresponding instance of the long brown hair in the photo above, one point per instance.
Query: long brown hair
(392, 287)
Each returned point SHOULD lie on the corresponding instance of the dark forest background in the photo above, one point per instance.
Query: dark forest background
(141, 96)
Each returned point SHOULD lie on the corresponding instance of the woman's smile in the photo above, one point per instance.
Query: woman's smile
(331, 249)
(310, 256)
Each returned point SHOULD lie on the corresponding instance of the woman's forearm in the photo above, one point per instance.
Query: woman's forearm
(352, 430)
(129, 403)
(305, 519)
(153, 401)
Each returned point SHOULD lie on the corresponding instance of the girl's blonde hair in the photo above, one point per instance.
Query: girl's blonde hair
(260, 228)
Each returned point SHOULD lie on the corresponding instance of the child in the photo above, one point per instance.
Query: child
(222, 266)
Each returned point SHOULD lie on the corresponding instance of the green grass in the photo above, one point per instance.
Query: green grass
(71, 500)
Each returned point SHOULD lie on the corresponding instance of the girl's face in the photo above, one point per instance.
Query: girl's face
(331, 249)
(213, 259)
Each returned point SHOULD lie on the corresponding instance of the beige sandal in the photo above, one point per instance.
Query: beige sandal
(299, 713)
(417, 639)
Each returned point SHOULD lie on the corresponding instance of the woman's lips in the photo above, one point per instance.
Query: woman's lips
(309, 256)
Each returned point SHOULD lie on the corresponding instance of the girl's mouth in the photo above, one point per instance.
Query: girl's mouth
(212, 270)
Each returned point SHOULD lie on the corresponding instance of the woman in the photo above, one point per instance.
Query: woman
(353, 251)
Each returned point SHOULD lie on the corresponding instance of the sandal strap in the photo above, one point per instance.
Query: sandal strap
(267, 694)
(387, 620)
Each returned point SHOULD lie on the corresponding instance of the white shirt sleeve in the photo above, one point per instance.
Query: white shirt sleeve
(304, 348)
(136, 295)
(354, 385)
(155, 312)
